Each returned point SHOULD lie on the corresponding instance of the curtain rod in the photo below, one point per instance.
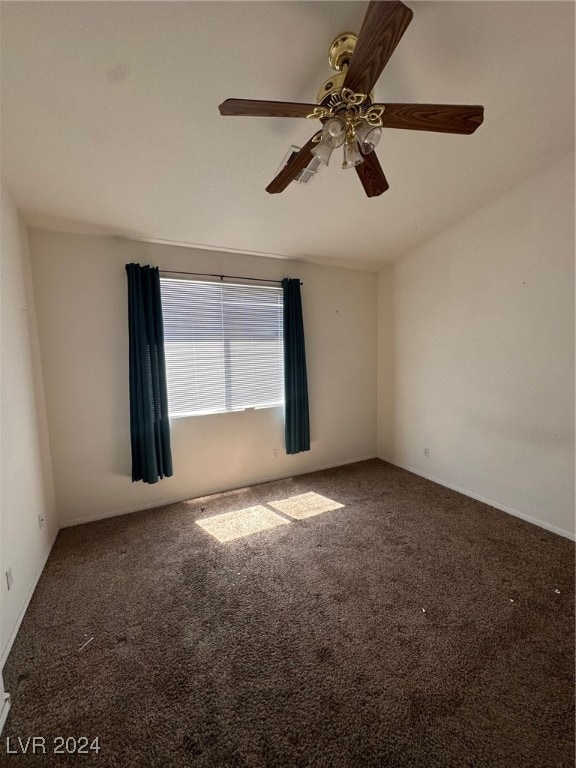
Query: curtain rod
(229, 277)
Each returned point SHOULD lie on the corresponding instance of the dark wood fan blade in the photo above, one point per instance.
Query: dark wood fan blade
(291, 169)
(445, 118)
(372, 176)
(252, 108)
(383, 26)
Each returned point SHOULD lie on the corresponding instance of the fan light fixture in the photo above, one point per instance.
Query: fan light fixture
(350, 125)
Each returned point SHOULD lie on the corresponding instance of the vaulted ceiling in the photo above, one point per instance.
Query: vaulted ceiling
(110, 120)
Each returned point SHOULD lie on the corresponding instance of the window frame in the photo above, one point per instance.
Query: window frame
(271, 285)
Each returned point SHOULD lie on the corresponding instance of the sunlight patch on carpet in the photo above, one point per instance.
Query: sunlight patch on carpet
(241, 522)
(305, 505)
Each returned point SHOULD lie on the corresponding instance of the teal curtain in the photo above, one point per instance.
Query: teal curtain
(297, 426)
(149, 424)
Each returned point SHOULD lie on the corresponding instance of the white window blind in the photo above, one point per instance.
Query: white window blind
(223, 345)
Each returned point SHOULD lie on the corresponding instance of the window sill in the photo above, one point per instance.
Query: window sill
(174, 417)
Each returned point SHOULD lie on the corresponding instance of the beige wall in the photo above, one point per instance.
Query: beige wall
(476, 352)
(26, 489)
(80, 286)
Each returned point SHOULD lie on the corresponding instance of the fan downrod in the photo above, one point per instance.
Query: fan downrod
(341, 50)
(339, 56)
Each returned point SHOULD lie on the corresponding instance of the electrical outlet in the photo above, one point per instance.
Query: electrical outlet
(40, 521)
(274, 453)
(426, 452)
(9, 577)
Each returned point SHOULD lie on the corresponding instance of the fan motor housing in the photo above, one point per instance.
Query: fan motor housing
(331, 88)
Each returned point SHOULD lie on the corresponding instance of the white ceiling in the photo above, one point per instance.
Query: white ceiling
(110, 120)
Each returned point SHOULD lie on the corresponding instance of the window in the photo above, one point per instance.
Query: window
(223, 345)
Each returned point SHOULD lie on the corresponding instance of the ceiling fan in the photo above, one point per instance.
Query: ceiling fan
(345, 105)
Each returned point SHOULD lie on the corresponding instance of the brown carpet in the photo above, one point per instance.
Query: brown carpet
(411, 628)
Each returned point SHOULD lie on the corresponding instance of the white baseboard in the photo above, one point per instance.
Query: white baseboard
(24, 608)
(490, 502)
(4, 711)
(164, 502)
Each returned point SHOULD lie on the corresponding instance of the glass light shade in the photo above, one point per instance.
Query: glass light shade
(352, 155)
(323, 152)
(368, 137)
(334, 132)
